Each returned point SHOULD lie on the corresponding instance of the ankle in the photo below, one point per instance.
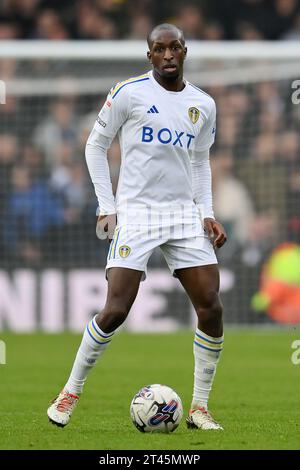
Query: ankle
(196, 404)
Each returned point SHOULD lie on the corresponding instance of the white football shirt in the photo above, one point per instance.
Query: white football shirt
(160, 132)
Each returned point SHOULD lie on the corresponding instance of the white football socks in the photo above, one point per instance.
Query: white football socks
(93, 344)
(207, 352)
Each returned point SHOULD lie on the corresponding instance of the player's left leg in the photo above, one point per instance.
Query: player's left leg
(201, 284)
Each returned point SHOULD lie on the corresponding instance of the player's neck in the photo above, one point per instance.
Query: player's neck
(170, 84)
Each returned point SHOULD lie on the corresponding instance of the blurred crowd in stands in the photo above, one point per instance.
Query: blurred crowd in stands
(133, 19)
(47, 202)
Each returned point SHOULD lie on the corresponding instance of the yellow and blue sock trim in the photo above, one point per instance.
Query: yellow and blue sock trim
(207, 342)
(97, 334)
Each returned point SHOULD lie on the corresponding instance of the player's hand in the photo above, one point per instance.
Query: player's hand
(105, 227)
(215, 232)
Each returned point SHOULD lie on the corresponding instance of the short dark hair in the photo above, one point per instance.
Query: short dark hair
(164, 27)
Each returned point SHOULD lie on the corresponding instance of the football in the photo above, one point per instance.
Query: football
(156, 408)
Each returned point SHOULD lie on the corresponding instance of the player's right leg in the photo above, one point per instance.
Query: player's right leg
(123, 285)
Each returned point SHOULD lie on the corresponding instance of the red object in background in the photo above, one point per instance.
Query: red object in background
(284, 304)
(279, 293)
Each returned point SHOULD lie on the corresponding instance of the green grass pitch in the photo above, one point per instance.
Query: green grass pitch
(255, 395)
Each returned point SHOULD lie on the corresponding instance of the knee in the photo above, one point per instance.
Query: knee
(112, 316)
(210, 307)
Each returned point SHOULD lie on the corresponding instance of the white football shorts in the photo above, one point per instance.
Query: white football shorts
(132, 249)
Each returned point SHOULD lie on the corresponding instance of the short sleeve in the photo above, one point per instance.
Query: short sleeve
(113, 113)
(207, 133)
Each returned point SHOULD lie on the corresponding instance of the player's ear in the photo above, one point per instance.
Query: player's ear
(149, 57)
(185, 52)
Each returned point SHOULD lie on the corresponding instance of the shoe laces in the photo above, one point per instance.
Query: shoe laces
(67, 402)
(205, 412)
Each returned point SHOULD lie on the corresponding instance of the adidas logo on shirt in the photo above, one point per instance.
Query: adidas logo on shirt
(153, 110)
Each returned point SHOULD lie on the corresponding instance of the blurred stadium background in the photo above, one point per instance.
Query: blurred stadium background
(58, 59)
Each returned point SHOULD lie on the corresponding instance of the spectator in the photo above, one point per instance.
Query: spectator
(213, 31)
(246, 31)
(288, 149)
(50, 26)
(191, 20)
(56, 136)
(234, 104)
(24, 13)
(34, 160)
(293, 33)
(140, 26)
(85, 125)
(269, 98)
(105, 28)
(93, 23)
(112, 19)
(31, 211)
(284, 15)
(11, 117)
(293, 214)
(232, 203)
(267, 183)
(69, 184)
(8, 156)
(9, 30)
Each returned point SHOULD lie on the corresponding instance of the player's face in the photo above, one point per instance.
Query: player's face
(167, 54)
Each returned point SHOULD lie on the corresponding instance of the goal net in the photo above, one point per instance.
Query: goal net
(52, 264)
